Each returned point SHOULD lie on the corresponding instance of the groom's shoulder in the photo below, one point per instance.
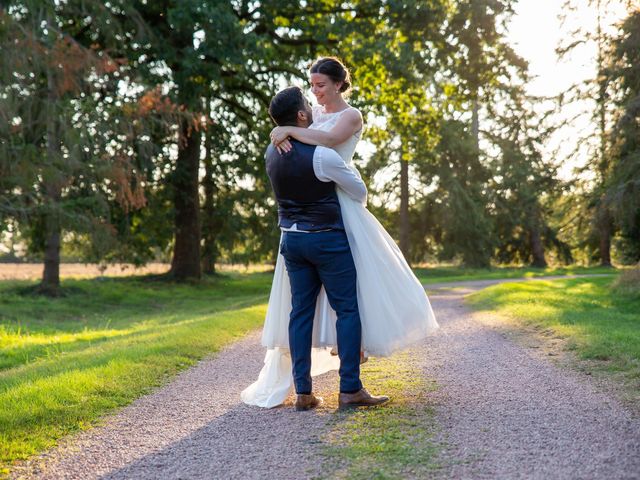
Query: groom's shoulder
(298, 149)
(302, 147)
(271, 152)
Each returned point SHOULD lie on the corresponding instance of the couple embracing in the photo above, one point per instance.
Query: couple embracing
(342, 289)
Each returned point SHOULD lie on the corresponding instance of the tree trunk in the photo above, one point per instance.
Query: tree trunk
(404, 207)
(210, 225)
(50, 284)
(475, 123)
(604, 219)
(186, 253)
(537, 248)
(601, 101)
(604, 233)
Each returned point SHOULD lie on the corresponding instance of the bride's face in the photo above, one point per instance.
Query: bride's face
(324, 89)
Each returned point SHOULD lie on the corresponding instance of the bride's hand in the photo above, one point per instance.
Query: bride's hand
(280, 139)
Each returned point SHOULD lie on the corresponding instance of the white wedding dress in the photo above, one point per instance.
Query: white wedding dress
(394, 309)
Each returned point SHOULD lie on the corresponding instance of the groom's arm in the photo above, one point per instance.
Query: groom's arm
(330, 167)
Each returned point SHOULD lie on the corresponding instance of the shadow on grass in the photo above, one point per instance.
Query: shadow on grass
(36, 348)
(43, 400)
(96, 311)
(66, 361)
(93, 300)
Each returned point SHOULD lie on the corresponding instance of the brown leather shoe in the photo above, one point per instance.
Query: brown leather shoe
(361, 398)
(307, 402)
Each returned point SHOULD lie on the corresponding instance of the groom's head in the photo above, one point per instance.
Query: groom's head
(291, 108)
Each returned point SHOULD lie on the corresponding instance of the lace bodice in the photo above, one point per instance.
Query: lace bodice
(326, 121)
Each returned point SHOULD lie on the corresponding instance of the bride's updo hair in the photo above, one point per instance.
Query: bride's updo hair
(335, 70)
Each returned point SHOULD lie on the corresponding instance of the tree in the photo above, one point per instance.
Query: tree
(594, 94)
(623, 180)
(524, 185)
(474, 66)
(394, 64)
(76, 147)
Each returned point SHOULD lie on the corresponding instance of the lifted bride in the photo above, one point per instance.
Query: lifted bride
(394, 309)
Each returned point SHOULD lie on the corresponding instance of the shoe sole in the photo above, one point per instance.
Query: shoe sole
(349, 406)
(310, 407)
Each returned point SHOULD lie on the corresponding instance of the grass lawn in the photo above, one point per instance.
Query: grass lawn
(599, 321)
(388, 442)
(65, 362)
(441, 274)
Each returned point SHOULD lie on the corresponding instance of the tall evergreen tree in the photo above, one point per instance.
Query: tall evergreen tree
(623, 182)
(594, 94)
(69, 146)
(475, 66)
(524, 184)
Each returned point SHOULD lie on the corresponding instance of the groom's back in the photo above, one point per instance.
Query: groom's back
(302, 198)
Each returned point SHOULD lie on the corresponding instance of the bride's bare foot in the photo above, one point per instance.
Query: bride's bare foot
(363, 357)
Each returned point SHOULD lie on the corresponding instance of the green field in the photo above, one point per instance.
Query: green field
(599, 320)
(442, 274)
(66, 362)
(392, 441)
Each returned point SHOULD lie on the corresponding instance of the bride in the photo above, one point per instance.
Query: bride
(394, 309)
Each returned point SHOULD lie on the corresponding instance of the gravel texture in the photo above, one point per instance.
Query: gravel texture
(502, 411)
(195, 427)
(505, 412)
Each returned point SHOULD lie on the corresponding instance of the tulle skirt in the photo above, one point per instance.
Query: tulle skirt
(394, 309)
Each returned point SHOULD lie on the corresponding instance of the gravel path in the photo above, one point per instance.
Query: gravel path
(195, 427)
(502, 411)
(505, 412)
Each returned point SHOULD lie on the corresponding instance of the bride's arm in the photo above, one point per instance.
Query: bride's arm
(348, 124)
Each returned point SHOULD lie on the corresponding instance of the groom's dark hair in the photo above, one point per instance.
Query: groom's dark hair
(284, 107)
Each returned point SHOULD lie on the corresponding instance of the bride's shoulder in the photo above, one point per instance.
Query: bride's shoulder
(353, 114)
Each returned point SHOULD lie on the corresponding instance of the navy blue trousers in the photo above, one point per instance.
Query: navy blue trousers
(313, 260)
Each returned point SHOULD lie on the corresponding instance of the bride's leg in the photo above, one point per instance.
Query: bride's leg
(363, 357)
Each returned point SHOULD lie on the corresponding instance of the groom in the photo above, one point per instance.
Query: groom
(316, 251)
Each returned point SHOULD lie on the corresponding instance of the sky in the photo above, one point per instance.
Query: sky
(535, 32)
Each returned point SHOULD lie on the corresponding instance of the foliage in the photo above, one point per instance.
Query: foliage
(596, 98)
(623, 184)
(72, 143)
(122, 114)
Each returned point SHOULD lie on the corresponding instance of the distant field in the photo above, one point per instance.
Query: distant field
(426, 274)
(33, 271)
(447, 273)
